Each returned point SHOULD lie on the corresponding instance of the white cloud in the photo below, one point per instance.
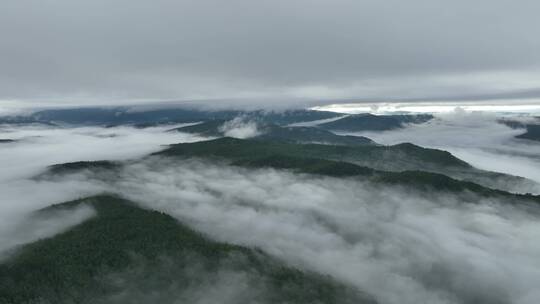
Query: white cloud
(401, 246)
(38, 147)
(240, 128)
(514, 106)
(19, 231)
(393, 243)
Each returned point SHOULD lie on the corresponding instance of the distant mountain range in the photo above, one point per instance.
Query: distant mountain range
(370, 122)
(145, 118)
(273, 132)
(148, 118)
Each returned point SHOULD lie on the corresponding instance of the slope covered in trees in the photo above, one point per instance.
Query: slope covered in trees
(397, 157)
(370, 122)
(126, 254)
(273, 132)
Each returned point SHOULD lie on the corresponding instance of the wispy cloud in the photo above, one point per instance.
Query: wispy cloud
(80, 53)
(396, 244)
(400, 246)
(38, 147)
(239, 127)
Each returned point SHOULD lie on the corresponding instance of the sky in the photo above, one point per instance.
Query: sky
(66, 52)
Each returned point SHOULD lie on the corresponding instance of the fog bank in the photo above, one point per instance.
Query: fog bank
(475, 137)
(37, 147)
(393, 243)
(396, 244)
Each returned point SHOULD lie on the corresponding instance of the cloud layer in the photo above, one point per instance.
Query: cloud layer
(398, 245)
(112, 51)
(37, 147)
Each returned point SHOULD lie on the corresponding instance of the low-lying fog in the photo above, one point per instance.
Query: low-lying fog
(476, 138)
(37, 147)
(395, 244)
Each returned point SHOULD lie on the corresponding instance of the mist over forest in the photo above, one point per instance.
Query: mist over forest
(262, 152)
(279, 206)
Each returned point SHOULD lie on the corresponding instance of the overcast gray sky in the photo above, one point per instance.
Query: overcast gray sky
(81, 52)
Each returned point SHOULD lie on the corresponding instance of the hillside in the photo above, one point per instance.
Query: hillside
(126, 254)
(397, 157)
(531, 126)
(532, 133)
(80, 165)
(273, 132)
(416, 180)
(420, 181)
(370, 122)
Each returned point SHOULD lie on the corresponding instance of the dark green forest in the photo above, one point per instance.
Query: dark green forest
(126, 248)
(366, 154)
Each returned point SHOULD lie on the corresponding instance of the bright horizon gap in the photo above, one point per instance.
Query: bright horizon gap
(382, 108)
(526, 107)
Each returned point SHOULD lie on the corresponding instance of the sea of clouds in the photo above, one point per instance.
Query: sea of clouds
(38, 146)
(475, 137)
(393, 243)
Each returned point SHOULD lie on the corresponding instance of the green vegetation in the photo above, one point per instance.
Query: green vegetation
(310, 135)
(533, 133)
(370, 122)
(80, 165)
(428, 181)
(418, 180)
(336, 161)
(126, 252)
(402, 156)
(308, 165)
(532, 127)
(207, 128)
(272, 132)
(321, 159)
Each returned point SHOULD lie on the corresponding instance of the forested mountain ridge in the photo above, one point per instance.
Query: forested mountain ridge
(370, 122)
(126, 254)
(273, 132)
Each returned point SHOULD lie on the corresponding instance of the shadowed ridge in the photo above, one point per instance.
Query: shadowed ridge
(334, 161)
(308, 165)
(273, 132)
(235, 148)
(440, 156)
(532, 133)
(370, 122)
(65, 168)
